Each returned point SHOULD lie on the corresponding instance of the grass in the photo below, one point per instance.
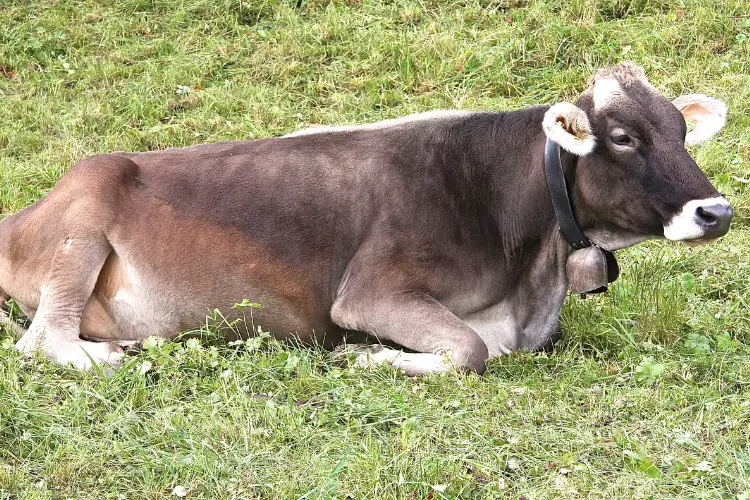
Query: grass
(645, 397)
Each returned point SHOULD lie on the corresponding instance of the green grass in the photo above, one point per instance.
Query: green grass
(647, 394)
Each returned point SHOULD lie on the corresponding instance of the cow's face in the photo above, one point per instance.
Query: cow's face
(634, 179)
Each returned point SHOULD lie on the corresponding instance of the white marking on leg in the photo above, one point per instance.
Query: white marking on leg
(61, 348)
(684, 225)
(411, 363)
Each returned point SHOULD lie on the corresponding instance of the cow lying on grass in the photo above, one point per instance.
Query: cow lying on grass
(436, 232)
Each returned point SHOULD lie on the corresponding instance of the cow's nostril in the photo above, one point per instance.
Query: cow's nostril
(714, 218)
(706, 216)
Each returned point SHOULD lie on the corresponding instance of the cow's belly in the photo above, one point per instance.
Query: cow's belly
(129, 303)
(133, 313)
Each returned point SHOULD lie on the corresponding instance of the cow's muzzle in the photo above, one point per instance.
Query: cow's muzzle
(715, 219)
(700, 220)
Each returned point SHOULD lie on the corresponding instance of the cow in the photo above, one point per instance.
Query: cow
(435, 237)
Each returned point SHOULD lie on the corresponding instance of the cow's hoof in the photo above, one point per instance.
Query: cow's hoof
(83, 355)
(28, 343)
(411, 363)
(80, 354)
(368, 356)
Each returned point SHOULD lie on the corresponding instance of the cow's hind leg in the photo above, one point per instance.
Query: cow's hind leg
(418, 322)
(56, 325)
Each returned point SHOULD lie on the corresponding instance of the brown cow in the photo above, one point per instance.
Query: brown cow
(435, 232)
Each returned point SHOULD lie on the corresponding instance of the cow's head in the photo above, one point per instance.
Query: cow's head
(633, 179)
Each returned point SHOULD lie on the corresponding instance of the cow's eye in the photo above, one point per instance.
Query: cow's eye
(621, 140)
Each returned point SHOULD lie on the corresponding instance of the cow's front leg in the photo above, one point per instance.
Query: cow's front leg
(418, 322)
(55, 328)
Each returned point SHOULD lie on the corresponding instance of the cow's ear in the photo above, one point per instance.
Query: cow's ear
(709, 115)
(568, 126)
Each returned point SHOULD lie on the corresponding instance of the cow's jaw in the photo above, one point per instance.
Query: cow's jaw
(700, 220)
(615, 240)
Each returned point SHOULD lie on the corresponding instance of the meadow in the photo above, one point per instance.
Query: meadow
(647, 395)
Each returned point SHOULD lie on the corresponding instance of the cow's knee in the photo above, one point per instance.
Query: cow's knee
(471, 356)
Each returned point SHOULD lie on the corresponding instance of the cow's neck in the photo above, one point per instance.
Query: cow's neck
(505, 167)
(528, 278)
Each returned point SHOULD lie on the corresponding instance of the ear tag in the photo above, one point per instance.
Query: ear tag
(590, 269)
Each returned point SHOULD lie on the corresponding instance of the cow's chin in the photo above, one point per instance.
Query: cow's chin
(699, 241)
(615, 240)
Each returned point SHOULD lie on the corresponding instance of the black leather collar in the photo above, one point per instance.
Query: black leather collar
(558, 190)
(569, 228)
